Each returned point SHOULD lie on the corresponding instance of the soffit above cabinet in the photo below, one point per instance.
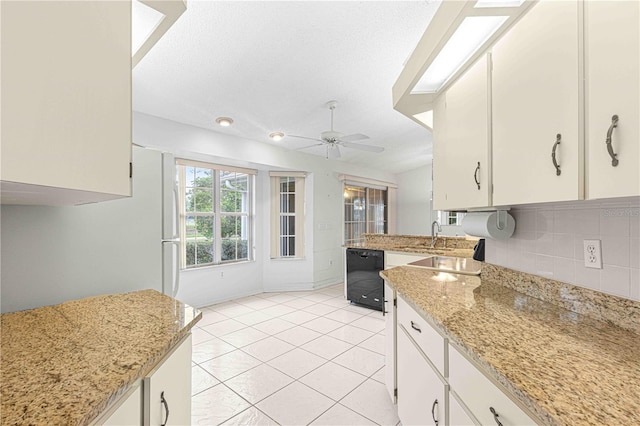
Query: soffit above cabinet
(460, 32)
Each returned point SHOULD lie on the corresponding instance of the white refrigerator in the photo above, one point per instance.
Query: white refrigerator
(53, 254)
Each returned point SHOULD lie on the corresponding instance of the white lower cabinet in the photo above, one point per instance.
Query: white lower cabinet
(163, 397)
(127, 413)
(390, 340)
(426, 337)
(167, 389)
(393, 259)
(421, 393)
(458, 415)
(484, 399)
(435, 384)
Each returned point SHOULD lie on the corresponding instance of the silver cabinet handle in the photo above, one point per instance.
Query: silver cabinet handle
(433, 412)
(614, 124)
(553, 154)
(475, 175)
(415, 327)
(495, 416)
(166, 408)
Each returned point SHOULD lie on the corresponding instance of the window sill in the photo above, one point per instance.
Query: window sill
(216, 265)
(288, 259)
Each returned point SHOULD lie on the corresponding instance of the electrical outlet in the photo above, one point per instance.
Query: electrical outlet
(592, 254)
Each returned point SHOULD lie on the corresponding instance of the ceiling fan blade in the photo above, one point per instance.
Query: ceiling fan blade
(308, 146)
(369, 148)
(354, 137)
(304, 137)
(333, 152)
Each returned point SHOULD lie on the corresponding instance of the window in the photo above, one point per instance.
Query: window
(216, 213)
(365, 211)
(287, 214)
(450, 218)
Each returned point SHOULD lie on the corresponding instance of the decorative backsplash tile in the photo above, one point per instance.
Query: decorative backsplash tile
(548, 242)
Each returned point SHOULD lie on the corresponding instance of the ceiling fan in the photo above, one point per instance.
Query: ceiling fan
(333, 140)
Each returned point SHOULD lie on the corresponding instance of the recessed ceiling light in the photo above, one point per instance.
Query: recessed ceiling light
(224, 121)
(276, 136)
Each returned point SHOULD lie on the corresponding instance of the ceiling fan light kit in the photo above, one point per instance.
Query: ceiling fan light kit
(333, 139)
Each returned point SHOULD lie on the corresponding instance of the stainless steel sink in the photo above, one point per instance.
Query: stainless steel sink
(456, 265)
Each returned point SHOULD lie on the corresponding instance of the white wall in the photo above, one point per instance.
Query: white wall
(323, 263)
(54, 254)
(413, 201)
(548, 241)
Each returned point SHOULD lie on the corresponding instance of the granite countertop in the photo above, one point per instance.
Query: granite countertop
(65, 364)
(444, 245)
(567, 368)
(453, 252)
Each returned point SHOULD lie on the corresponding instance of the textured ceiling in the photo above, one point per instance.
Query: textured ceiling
(272, 66)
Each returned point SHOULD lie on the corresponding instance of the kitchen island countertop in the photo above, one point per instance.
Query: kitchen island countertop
(566, 368)
(67, 363)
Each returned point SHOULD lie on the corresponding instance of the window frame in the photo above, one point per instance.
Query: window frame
(299, 179)
(216, 212)
(368, 224)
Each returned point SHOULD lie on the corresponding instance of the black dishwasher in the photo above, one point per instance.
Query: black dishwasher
(364, 284)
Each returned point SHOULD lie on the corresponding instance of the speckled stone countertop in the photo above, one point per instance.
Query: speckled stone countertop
(567, 368)
(64, 364)
(444, 246)
(416, 249)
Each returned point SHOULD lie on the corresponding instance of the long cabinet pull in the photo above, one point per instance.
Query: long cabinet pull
(166, 408)
(415, 327)
(433, 412)
(614, 124)
(475, 175)
(553, 154)
(495, 416)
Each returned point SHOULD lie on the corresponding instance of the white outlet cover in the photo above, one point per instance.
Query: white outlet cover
(592, 254)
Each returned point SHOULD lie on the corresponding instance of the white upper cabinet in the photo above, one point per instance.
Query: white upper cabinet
(66, 101)
(461, 155)
(613, 83)
(536, 108)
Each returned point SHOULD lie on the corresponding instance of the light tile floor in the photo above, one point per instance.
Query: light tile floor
(293, 358)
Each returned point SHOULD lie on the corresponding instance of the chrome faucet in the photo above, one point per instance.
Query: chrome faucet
(434, 233)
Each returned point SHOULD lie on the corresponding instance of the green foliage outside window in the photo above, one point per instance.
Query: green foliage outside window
(200, 232)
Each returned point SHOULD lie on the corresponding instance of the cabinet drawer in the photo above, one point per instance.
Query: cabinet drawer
(427, 338)
(480, 395)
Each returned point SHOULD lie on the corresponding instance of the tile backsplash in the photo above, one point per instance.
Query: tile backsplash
(548, 241)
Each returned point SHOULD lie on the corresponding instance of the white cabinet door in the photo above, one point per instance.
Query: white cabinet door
(128, 413)
(613, 83)
(421, 393)
(462, 169)
(390, 340)
(168, 389)
(535, 97)
(457, 414)
(66, 101)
